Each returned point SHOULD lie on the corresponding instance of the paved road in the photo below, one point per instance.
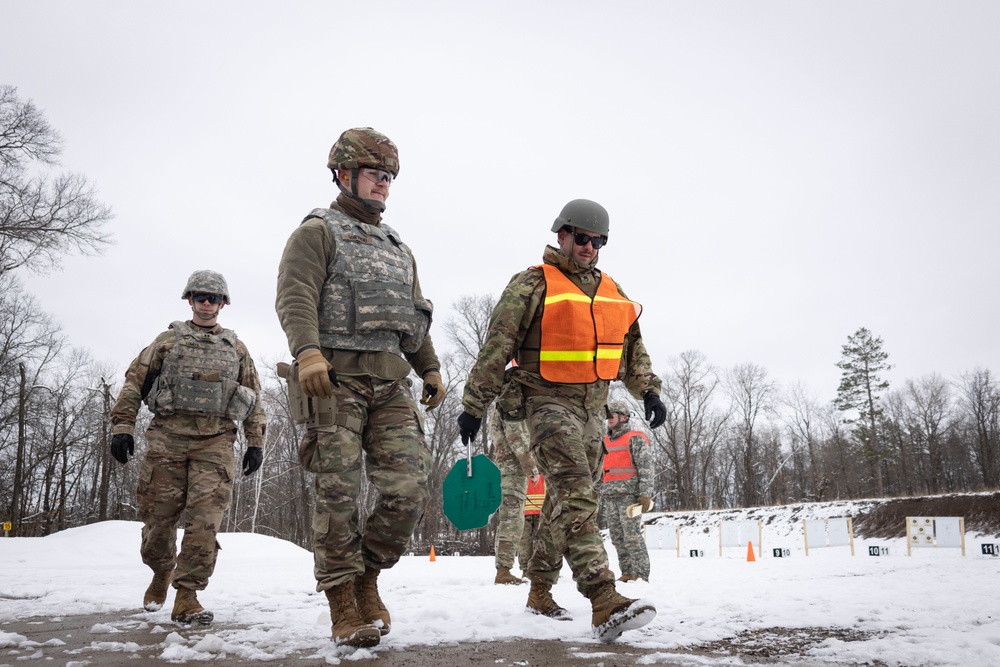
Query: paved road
(70, 640)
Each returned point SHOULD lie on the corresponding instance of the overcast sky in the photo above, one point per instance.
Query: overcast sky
(778, 174)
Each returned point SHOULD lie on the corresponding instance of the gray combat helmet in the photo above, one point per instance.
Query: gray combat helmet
(619, 408)
(583, 214)
(209, 282)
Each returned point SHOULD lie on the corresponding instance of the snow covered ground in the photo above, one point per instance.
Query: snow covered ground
(935, 607)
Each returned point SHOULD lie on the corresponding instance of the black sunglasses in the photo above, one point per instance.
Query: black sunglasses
(214, 299)
(597, 242)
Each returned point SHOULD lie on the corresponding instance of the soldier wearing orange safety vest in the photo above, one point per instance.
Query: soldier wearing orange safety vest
(572, 330)
(628, 481)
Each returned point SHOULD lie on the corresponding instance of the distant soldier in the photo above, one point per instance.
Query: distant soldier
(357, 322)
(532, 519)
(199, 381)
(512, 455)
(572, 331)
(628, 480)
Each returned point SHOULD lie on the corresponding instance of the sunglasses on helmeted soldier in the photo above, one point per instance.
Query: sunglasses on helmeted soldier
(596, 242)
(214, 299)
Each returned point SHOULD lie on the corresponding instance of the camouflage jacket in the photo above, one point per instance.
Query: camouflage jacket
(642, 459)
(145, 367)
(302, 273)
(519, 312)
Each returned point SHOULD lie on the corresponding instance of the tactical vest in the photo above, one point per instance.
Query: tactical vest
(536, 496)
(367, 300)
(200, 374)
(618, 463)
(582, 338)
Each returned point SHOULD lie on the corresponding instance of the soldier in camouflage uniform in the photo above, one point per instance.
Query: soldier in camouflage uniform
(357, 323)
(572, 331)
(198, 380)
(628, 480)
(511, 452)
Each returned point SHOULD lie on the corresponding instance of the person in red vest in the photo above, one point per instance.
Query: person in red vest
(572, 330)
(532, 518)
(628, 481)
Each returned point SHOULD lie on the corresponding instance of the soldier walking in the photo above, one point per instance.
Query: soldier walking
(357, 323)
(511, 449)
(572, 330)
(199, 381)
(628, 480)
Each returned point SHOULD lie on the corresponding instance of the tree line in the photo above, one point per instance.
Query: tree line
(733, 436)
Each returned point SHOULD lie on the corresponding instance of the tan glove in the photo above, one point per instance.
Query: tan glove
(646, 503)
(433, 390)
(314, 375)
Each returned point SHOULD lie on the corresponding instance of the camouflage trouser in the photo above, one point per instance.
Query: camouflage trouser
(191, 475)
(513, 487)
(526, 548)
(567, 442)
(510, 516)
(626, 535)
(379, 419)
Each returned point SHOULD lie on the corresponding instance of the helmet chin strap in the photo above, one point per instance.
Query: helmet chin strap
(373, 206)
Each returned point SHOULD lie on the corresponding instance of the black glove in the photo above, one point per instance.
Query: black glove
(122, 446)
(656, 411)
(468, 426)
(252, 459)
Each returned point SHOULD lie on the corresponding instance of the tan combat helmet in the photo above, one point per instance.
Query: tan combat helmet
(209, 282)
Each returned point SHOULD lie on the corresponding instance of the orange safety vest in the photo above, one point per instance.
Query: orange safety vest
(618, 461)
(536, 496)
(582, 338)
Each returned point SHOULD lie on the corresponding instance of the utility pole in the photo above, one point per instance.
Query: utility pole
(15, 506)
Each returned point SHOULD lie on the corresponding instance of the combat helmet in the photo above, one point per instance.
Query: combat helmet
(583, 214)
(364, 147)
(209, 282)
(619, 408)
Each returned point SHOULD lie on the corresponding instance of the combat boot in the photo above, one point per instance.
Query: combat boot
(156, 594)
(370, 606)
(504, 576)
(188, 610)
(540, 601)
(347, 628)
(614, 613)
(627, 577)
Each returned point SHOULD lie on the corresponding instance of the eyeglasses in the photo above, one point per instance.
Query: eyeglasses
(377, 175)
(214, 299)
(597, 242)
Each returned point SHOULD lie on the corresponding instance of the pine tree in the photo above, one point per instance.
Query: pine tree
(860, 383)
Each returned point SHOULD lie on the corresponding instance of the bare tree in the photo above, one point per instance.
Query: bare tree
(42, 217)
(467, 331)
(980, 410)
(692, 431)
(802, 421)
(752, 394)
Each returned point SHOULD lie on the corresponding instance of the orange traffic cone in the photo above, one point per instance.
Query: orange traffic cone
(433, 557)
(750, 556)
